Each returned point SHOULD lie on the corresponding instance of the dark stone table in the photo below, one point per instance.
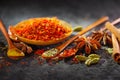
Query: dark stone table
(76, 12)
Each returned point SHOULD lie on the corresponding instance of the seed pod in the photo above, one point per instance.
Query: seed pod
(96, 44)
(110, 50)
(91, 56)
(80, 58)
(95, 60)
(24, 47)
(89, 62)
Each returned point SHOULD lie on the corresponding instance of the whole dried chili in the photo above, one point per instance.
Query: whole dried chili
(68, 53)
(42, 29)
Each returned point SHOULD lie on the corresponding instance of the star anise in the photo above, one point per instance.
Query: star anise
(87, 43)
(102, 36)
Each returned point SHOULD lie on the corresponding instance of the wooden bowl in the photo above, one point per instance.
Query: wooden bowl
(14, 36)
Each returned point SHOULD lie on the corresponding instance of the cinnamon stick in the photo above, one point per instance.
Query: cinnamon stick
(115, 35)
(116, 49)
(113, 29)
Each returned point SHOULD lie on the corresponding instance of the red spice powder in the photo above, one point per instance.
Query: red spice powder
(23, 63)
(39, 51)
(4, 63)
(8, 63)
(42, 29)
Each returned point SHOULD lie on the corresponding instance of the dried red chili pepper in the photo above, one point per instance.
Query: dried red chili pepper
(68, 53)
(39, 51)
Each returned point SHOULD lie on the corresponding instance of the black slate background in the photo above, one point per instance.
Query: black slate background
(76, 12)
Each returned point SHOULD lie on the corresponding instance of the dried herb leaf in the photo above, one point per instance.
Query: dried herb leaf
(77, 29)
(50, 53)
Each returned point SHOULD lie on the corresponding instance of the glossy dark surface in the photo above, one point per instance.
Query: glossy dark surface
(76, 12)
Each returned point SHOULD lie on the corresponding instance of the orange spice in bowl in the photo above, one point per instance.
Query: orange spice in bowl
(41, 31)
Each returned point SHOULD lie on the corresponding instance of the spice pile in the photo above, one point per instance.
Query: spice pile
(44, 29)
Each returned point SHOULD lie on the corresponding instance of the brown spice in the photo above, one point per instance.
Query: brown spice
(24, 47)
(87, 43)
(116, 49)
(113, 29)
(102, 36)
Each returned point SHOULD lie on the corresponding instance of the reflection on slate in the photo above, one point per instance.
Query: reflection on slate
(76, 12)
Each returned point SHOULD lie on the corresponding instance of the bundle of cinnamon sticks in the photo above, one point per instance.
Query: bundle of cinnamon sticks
(115, 40)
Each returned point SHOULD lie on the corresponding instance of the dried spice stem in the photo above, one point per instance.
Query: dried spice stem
(116, 49)
(113, 29)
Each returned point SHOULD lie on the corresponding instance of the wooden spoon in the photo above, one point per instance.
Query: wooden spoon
(13, 52)
(55, 51)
